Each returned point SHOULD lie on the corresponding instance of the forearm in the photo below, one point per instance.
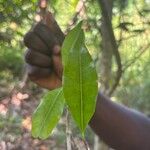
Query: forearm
(119, 126)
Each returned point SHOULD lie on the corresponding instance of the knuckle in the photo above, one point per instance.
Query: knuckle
(45, 35)
(28, 56)
(28, 36)
(32, 77)
(32, 72)
(35, 72)
(39, 59)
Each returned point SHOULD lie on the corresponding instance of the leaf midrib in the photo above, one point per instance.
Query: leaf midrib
(73, 44)
(80, 81)
(81, 92)
(49, 111)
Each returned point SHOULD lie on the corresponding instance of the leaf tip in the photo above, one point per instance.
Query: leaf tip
(80, 24)
(37, 136)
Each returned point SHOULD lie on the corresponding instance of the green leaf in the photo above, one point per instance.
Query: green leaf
(79, 79)
(74, 3)
(47, 114)
(74, 39)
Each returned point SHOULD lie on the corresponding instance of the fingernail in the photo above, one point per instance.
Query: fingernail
(56, 49)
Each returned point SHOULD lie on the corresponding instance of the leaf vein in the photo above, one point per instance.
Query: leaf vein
(49, 111)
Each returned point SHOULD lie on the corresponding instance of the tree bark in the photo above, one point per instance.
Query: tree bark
(106, 59)
(107, 52)
(106, 55)
(106, 9)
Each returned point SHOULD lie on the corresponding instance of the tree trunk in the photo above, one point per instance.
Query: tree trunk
(106, 60)
(107, 52)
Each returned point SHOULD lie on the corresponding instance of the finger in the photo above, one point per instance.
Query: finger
(50, 82)
(46, 35)
(57, 65)
(54, 27)
(35, 72)
(32, 41)
(43, 77)
(38, 59)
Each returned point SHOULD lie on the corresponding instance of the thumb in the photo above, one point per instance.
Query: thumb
(57, 63)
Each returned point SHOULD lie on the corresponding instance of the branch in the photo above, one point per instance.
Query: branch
(128, 64)
(79, 9)
(68, 131)
(108, 24)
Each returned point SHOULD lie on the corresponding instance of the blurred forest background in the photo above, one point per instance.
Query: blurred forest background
(125, 57)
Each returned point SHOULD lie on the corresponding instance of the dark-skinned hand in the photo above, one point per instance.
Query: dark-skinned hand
(43, 56)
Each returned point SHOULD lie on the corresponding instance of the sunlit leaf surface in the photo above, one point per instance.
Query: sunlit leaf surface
(48, 113)
(80, 78)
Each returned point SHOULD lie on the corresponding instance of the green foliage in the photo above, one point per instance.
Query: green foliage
(134, 90)
(47, 114)
(10, 59)
(15, 19)
(79, 78)
(74, 3)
